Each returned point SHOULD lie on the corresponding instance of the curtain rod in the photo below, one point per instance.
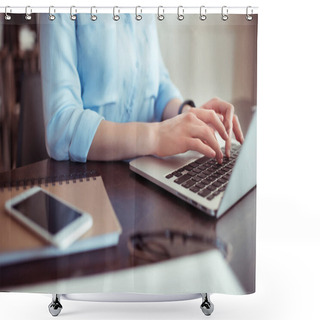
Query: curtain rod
(137, 10)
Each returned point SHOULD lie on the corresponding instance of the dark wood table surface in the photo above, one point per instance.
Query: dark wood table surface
(140, 206)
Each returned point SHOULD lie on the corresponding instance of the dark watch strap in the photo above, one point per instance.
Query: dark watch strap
(186, 102)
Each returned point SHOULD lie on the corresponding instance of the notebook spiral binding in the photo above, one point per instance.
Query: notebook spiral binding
(46, 181)
(138, 10)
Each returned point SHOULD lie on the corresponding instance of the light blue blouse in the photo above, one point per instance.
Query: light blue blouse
(99, 70)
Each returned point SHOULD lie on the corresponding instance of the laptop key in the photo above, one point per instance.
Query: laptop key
(204, 192)
(206, 181)
(223, 179)
(193, 165)
(194, 189)
(186, 168)
(189, 183)
(196, 178)
(200, 185)
(182, 179)
(202, 160)
(212, 187)
(216, 184)
(213, 195)
(202, 175)
(177, 173)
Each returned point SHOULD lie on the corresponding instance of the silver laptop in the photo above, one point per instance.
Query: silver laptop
(201, 181)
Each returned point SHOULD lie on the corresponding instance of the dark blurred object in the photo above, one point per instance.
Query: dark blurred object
(161, 245)
(8, 110)
(19, 61)
(31, 133)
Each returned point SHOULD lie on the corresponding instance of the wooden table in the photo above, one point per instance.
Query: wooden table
(140, 206)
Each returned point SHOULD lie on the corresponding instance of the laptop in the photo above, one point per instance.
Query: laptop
(201, 181)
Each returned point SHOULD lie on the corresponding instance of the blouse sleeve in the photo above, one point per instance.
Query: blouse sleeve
(167, 90)
(69, 127)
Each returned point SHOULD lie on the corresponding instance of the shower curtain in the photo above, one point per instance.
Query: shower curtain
(77, 92)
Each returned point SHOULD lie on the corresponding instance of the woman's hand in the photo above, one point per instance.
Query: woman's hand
(216, 108)
(190, 131)
(194, 129)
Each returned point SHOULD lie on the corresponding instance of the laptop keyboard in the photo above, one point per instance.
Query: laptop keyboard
(205, 176)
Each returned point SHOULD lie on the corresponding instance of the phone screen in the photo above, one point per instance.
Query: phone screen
(46, 211)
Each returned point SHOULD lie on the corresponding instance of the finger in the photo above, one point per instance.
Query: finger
(228, 143)
(228, 147)
(229, 113)
(223, 107)
(237, 129)
(199, 146)
(217, 105)
(206, 134)
(210, 117)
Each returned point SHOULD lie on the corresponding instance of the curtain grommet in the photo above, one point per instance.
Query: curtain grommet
(73, 16)
(160, 16)
(51, 11)
(93, 16)
(7, 17)
(249, 16)
(180, 13)
(138, 16)
(224, 13)
(203, 13)
(28, 14)
(116, 17)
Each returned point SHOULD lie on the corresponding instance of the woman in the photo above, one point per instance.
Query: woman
(108, 96)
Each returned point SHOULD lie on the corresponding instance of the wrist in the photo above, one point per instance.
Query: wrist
(186, 105)
(149, 134)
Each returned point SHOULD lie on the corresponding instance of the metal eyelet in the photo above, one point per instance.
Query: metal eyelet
(93, 16)
(249, 17)
(52, 16)
(180, 13)
(6, 15)
(116, 17)
(224, 13)
(203, 13)
(160, 16)
(73, 17)
(138, 16)
(28, 14)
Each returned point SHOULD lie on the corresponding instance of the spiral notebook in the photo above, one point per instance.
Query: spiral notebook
(18, 244)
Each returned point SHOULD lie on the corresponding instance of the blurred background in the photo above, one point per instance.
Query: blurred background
(212, 59)
(20, 93)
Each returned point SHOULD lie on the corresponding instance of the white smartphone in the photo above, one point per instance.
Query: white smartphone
(52, 219)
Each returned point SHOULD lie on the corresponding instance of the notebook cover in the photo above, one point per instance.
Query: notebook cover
(18, 243)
